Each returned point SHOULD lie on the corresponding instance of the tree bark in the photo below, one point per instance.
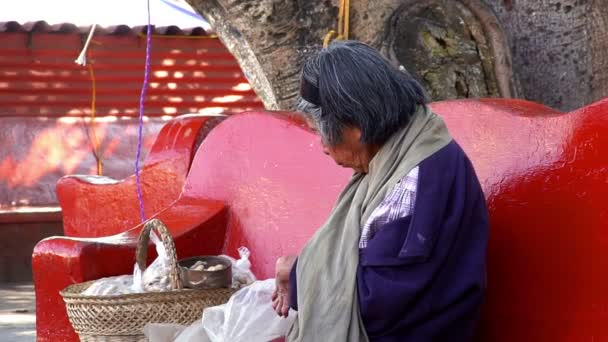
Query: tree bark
(559, 47)
(457, 48)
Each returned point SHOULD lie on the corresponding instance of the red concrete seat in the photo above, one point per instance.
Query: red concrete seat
(62, 261)
(271, 172)
(543, 172)
(94, 206)
(100, 207)
(545, 176)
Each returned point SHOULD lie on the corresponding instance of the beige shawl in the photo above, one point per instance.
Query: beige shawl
(328, 307)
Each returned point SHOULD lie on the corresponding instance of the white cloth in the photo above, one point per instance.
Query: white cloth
(397, 204)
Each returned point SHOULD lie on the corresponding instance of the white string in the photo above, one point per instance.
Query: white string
(82, 58)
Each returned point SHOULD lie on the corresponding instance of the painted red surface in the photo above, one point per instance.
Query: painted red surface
(98, 206)
(198, 227)
(544, 174)
(271, 172)
(93, 210)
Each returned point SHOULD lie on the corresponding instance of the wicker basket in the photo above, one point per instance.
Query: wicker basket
(123, 317)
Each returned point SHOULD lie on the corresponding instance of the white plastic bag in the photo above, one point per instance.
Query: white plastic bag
(241, 269)
(156, 276)
(110, 286)
(247, 317)
(160, 332)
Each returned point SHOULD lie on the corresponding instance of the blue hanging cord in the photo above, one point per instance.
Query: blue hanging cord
(142, 98)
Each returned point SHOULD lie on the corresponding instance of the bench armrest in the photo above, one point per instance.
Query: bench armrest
(198, 228)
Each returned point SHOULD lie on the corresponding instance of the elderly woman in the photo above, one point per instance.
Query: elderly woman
(401, 257)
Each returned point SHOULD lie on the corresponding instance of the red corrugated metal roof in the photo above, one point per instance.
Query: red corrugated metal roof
(191, 72)
(42, 26)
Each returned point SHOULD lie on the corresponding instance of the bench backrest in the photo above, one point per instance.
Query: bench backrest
(545, 175)
(98, 206)
(270, 171)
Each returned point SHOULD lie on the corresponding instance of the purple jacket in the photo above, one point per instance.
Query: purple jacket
(423, 277)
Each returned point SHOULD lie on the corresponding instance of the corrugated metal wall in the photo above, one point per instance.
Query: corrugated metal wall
(45, 100)
(38, 76)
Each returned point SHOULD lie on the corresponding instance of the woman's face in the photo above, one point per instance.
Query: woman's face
(351, 152)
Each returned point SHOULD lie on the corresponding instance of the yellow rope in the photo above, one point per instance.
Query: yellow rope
(343, 24)
(346, 27)
(96, 145)
(328, 38)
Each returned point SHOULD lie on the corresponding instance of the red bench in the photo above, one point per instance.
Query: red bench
(544, 174)
(94, 206)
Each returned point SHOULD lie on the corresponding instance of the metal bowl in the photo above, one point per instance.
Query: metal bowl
(204, 279)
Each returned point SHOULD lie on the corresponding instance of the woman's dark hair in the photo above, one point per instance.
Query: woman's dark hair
(350, 84)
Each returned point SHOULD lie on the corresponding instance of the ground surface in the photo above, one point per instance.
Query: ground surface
(17, 312)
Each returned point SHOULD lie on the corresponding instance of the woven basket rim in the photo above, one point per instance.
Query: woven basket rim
(106, 317)
(74, 291)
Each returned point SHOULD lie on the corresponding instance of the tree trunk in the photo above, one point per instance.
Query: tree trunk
(457, 48)
(559, 48)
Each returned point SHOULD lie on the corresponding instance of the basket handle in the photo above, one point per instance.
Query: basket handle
(167, 240)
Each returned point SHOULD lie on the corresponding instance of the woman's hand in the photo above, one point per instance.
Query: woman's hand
(280, 296)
